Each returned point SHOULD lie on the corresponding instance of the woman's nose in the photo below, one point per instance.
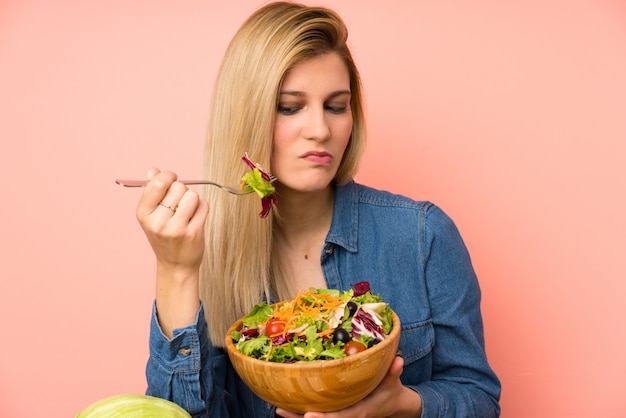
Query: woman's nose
(316, 126)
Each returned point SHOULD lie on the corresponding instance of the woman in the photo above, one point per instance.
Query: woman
(288, 93)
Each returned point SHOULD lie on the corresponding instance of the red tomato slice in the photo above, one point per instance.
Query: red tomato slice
(274, 327)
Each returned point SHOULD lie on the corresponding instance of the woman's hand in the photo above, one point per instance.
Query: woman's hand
(172, 217)
(389, 399)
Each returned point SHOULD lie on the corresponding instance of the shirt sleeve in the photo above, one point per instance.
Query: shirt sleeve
(174, 368)
(463, 384)
(189, 371)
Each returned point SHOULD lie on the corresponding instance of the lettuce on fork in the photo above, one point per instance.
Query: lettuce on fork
(259, 181)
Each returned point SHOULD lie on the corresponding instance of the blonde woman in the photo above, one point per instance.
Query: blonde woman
(288, 93)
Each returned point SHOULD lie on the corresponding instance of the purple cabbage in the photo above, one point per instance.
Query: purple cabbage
(361, 288)
(280, 339)
(363, 323)
(248, 333)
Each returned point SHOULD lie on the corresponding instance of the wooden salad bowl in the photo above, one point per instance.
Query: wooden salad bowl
(319, 386)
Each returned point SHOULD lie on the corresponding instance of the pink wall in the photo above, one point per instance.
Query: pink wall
(510, 115)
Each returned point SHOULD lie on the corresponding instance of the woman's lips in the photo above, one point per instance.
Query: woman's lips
(318, 157)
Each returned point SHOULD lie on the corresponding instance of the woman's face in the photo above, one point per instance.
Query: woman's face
(313, 123)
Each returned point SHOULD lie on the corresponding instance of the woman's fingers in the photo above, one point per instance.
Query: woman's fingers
(172, 217)
(172, 198)
(195, 209)
(158, 186)
(152, 172)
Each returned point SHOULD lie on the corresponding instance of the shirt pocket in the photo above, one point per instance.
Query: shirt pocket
(416, 340)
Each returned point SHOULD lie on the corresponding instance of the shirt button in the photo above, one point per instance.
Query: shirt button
(329, 250)
(185, 351)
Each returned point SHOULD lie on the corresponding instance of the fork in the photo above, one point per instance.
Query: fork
(231, 190)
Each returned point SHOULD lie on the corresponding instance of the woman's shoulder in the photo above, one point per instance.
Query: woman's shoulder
(371, 197)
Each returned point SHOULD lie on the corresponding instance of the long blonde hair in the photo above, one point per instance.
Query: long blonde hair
(239, 268)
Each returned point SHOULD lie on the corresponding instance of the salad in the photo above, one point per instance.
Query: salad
(259, 181)
(319, 324)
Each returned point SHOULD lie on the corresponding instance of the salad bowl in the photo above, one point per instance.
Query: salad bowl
(319, 386)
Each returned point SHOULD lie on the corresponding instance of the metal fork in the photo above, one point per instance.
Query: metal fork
(231, 190)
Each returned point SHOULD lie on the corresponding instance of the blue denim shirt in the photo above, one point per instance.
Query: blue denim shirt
(414, 257)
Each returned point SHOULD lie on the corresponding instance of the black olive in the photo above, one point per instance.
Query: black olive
(342, 335)
(351, 308)
(373, 342)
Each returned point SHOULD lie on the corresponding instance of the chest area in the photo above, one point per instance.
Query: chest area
(304, 271)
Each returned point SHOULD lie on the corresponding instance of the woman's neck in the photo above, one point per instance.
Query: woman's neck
(305, 219)
(305, 213)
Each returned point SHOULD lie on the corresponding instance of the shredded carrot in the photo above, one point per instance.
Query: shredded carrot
(307, 304)
(326, 332)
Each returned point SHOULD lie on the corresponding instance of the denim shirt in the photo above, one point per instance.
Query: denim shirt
(414, 257)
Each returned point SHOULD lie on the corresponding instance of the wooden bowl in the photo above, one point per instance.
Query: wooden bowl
(320, 386)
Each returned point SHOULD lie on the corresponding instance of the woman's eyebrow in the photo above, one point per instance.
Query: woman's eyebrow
(340, 93)
(297, 93)
(292, 93)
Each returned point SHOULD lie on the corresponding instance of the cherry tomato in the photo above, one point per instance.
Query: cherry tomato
(353, 347)
(274, 327)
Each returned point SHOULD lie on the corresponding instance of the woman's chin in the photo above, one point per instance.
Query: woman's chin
(308, 186)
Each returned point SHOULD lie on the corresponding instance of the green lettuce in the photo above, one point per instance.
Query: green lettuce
(258, 315)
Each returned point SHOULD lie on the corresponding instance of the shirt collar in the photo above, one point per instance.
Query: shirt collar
(344, 226)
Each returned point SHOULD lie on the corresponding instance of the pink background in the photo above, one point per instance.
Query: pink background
(511, 115)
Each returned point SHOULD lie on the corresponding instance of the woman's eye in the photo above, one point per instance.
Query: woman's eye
(288, 109)
(337, 109)
(291, 109)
